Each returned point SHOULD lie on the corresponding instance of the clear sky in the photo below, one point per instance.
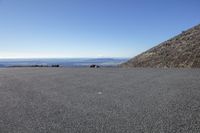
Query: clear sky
(90, 28)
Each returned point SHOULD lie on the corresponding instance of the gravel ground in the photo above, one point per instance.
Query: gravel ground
(105, 100)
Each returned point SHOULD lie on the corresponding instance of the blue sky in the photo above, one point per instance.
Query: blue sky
(90, 28)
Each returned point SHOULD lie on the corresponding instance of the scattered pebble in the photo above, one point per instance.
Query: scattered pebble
(99, 93)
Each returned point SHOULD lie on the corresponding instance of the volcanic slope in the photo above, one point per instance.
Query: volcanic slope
(182, 51)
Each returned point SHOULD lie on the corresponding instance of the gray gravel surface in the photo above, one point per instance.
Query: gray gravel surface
(105, 100)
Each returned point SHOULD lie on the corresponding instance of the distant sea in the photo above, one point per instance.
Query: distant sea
(63, 62)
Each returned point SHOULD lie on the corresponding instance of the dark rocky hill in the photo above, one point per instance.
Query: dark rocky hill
(181, 51)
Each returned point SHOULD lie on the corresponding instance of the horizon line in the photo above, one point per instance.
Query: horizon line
(63, 58)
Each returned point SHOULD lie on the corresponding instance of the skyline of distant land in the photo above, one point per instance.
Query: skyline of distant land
(90, 28)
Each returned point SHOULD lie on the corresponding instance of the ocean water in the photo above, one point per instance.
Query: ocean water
(64, 62)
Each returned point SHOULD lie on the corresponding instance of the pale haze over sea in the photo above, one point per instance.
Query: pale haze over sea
(63, 62)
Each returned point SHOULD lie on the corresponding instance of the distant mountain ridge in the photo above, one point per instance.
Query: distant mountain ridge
(182, 51)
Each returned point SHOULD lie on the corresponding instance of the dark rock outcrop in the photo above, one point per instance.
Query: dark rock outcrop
(94, 66)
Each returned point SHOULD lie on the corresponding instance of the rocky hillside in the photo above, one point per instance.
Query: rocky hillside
(180, 51)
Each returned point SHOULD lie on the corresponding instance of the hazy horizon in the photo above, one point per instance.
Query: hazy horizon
(35, 58)
(90, 28)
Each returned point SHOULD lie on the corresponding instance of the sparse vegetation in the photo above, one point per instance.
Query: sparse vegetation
(56, 65)
(180, 51)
